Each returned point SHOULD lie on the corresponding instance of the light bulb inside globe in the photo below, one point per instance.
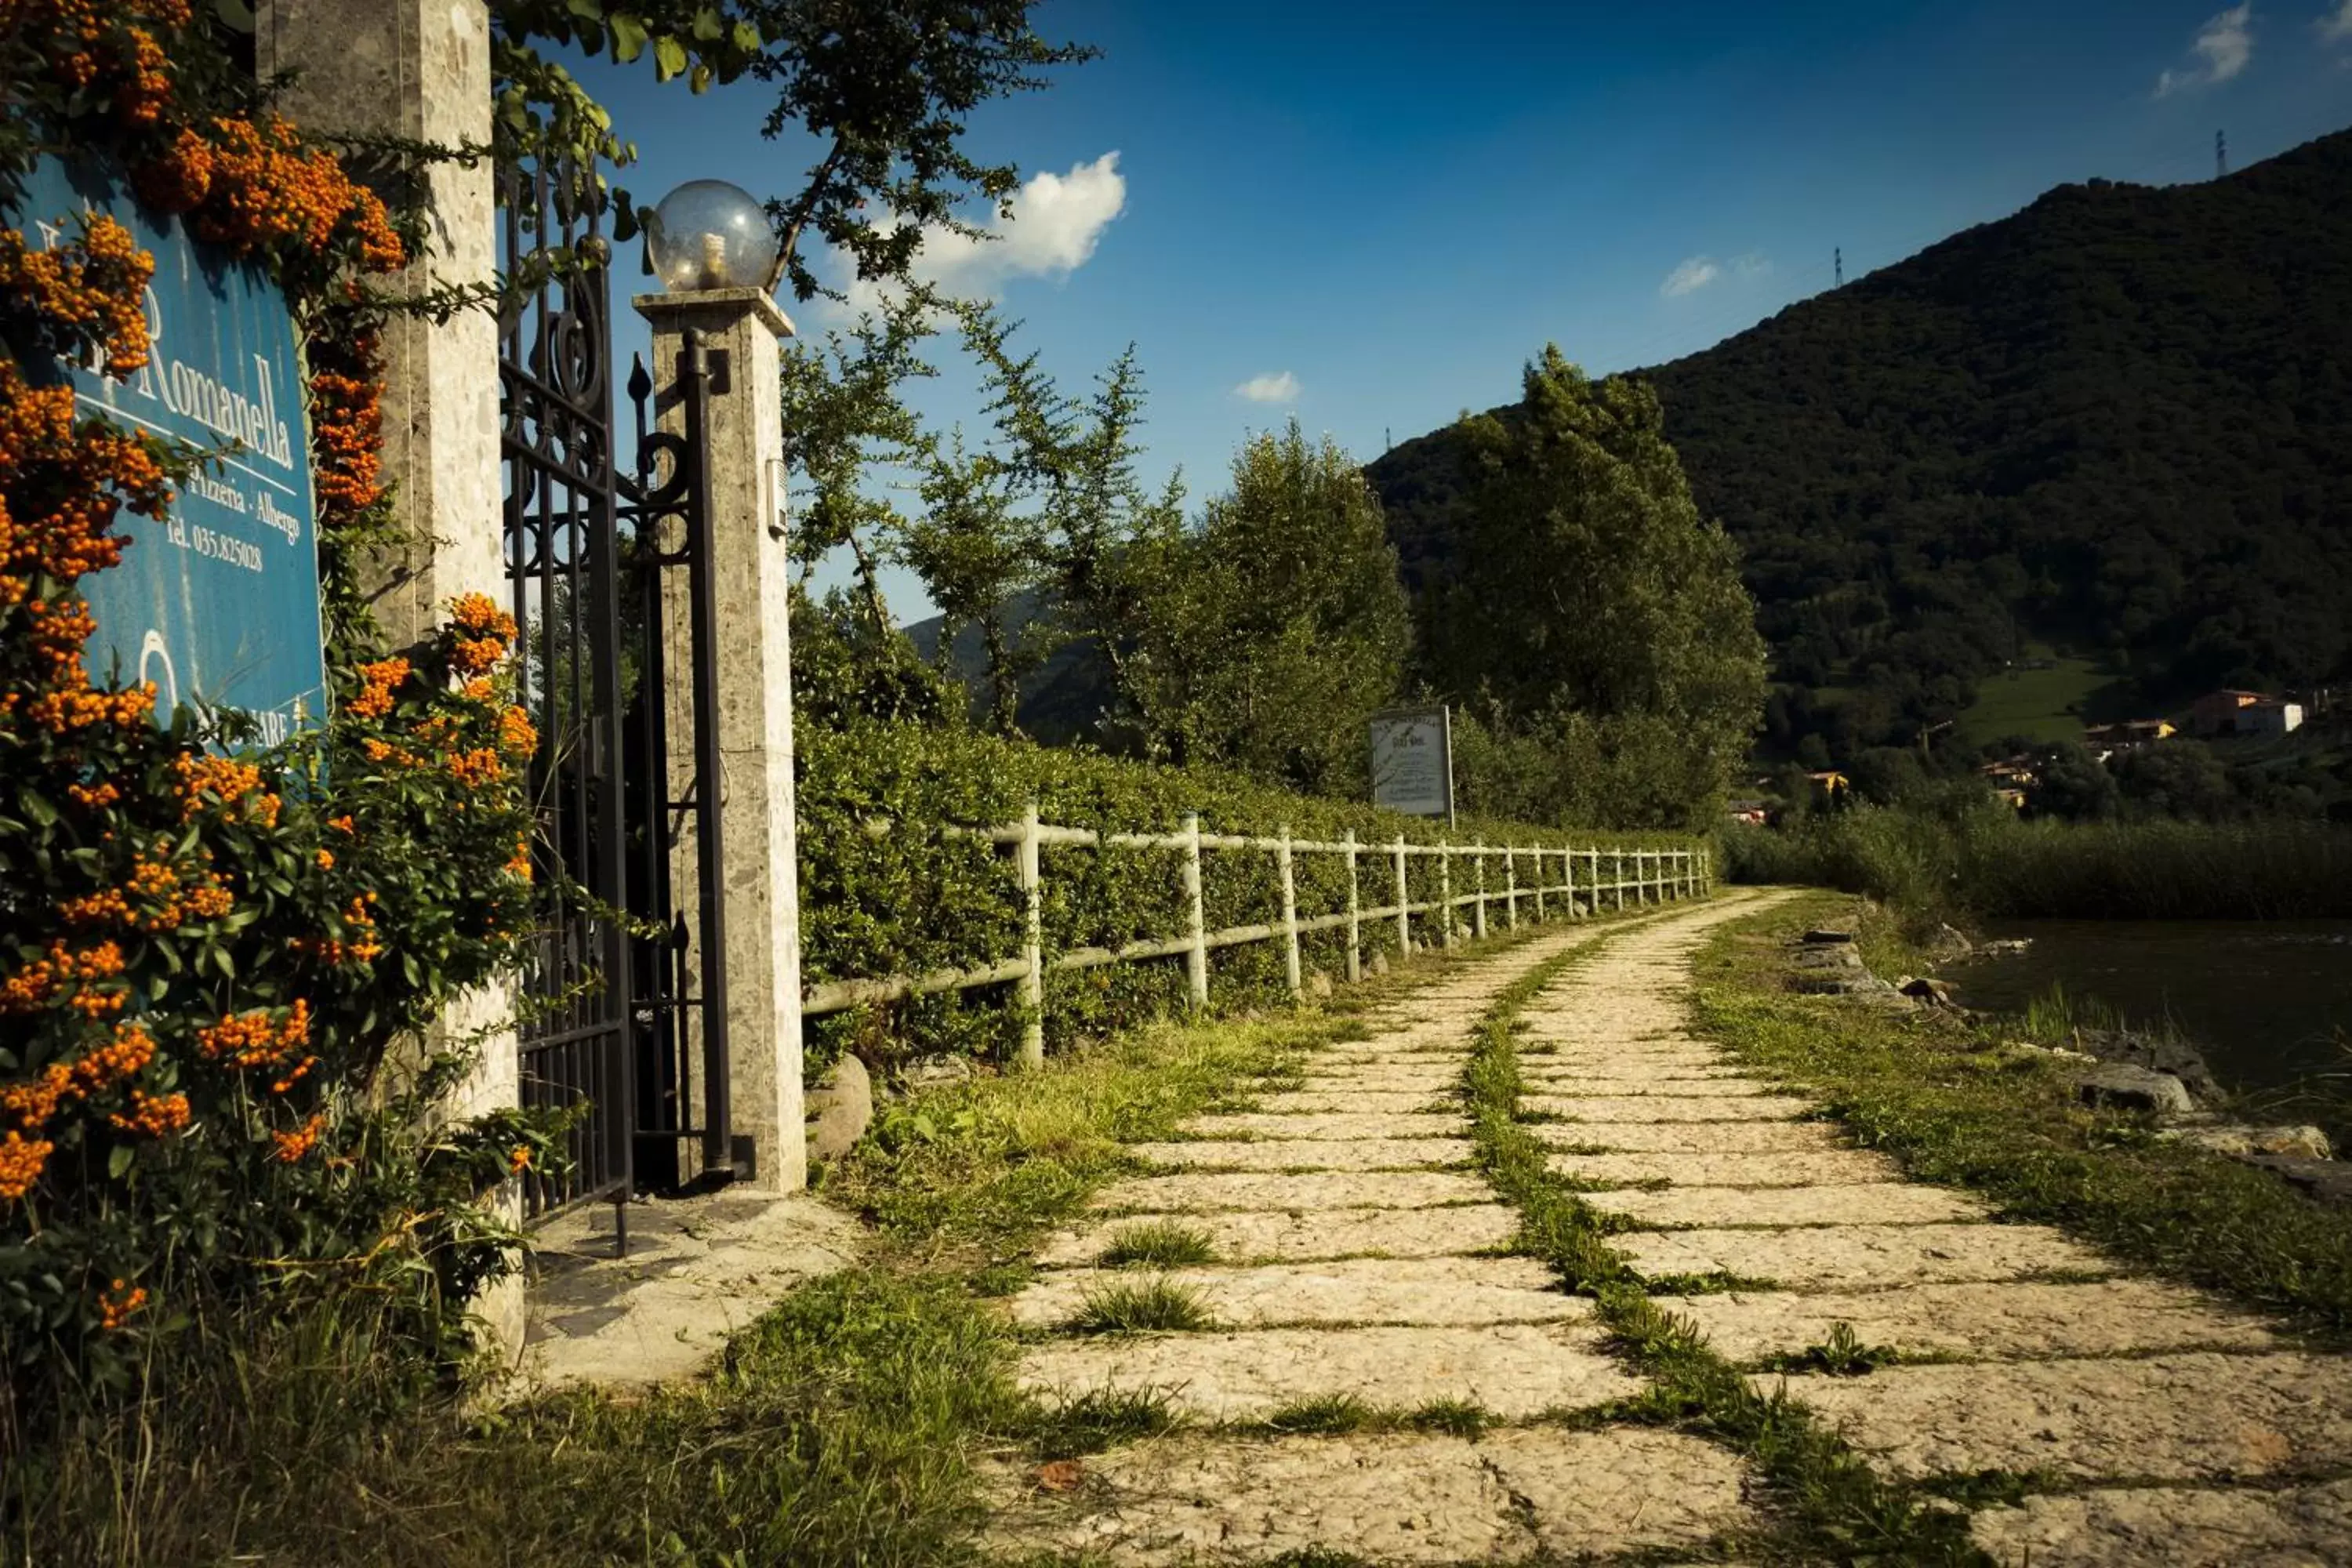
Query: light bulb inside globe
(708, 234)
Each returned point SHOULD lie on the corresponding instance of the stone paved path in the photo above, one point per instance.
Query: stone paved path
(1353, 1257)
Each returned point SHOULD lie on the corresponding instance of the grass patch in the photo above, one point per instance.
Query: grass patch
(1158, 1244)
(835, 1429)
(1834, 1508)
(1714, 1282)
(1456, 1418)
(1323, 1414)
(1932, 1091)
(1843, 1355)
(1099, 1418)
(1142, 1307)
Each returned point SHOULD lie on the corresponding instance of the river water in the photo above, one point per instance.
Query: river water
(2269, 1002)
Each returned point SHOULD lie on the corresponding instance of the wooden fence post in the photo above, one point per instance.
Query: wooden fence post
(1617, 882)
(1482, 892)
(1289, 916)
(1196, 957)
(1510, 888)
(1403, 913)
(1033, 945)
(1445, 892)
(1539, 884)
(1355, 937)
(1568, 878)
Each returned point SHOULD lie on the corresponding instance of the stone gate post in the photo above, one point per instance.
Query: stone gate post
(421, 70)
(743, 332)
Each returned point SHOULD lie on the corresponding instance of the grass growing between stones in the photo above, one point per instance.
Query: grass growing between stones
(1158, 1244)
(1942, 1095)
(1144, 1307)
(1066, 1426)
(1833, 1507)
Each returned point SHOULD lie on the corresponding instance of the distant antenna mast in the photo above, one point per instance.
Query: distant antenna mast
(1386, 445)
(2220, 156)
(1837, 259)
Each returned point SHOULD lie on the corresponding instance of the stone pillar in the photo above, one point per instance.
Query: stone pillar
(743, 332)
(421, 70)
(418, 69)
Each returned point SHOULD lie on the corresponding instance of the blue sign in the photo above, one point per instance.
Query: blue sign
(217, 605)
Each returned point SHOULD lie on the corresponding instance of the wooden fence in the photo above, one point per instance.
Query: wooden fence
(1598, 877)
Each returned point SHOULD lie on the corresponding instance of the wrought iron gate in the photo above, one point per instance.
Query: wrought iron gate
(555, 398)
(625, 996)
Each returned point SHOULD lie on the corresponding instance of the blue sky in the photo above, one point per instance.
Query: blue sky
(1372, 215)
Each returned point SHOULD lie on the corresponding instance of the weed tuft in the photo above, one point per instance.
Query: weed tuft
(1843, 1355)
(1323, 1414)
(1142, 1307)
(1158, 1244)
(1078, 1425)
(1456, 1418)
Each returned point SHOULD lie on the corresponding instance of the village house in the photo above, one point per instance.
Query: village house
(2234, 713)
(2129, 733)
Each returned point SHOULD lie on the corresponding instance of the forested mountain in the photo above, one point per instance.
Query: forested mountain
(2119, 421)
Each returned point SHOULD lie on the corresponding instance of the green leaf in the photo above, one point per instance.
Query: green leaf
(746, 38)
(118, 1162)
(629, 38)
(586, 10)
(700, 79)
(708, 27)
(669, 58)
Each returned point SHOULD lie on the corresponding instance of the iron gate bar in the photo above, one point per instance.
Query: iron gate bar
(694, 384)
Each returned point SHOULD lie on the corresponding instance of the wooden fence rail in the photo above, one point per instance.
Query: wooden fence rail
(1600, 877)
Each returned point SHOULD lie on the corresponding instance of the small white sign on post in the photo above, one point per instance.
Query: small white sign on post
(1412, 760)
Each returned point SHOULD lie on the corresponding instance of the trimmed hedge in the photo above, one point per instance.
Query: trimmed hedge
(918, 900)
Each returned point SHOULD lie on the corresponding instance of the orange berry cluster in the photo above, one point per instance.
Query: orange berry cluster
(32, 1106)
(362, 946)
(153, 899)
(480, 635)
(231, 790)
(22, 1160)
(347, 440)
(518, 736)
(292, 1146)
(89, 288)
(121, 1299)
(154, 1116)
(266, 191)
(80, 978)
(379, 682)
(478, 768)
(255, 1039)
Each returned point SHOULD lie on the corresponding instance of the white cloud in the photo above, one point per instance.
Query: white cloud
(2336, 26)
(1275, 387)
(2226, 46)
(1693, 275)
(1055, 224)
(1756, 264)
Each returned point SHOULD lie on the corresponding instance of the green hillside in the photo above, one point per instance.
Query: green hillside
(2119, 421)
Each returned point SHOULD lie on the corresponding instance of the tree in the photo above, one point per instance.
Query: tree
(882, 86)
(2178, 778)
(2071, 782)
(846, 424)
(1270, 632)
(1588, 588)
(1077, 462)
